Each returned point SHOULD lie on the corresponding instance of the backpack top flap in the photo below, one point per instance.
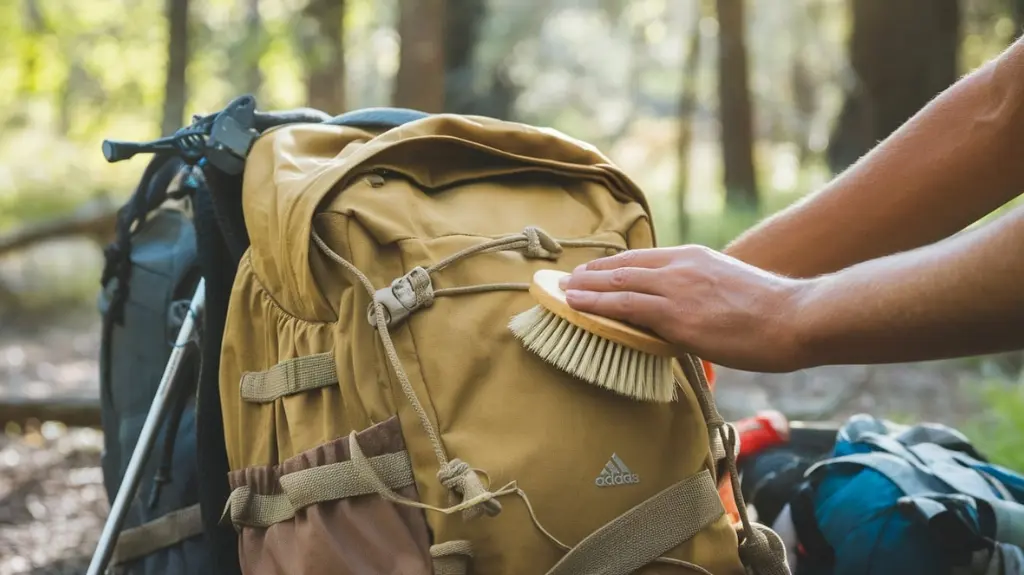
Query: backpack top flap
(291, 170)
(477, 447)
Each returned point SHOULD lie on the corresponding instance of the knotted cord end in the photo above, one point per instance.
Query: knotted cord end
(459, 477)
(540, 244)
(763, 551)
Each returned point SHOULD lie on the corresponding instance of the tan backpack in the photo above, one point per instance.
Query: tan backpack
(417, 436)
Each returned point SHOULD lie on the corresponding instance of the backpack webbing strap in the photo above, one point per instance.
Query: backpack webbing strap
(377, 117)
(718, 448)
(289, 377)
(319, 484)
(762, 551)
(935, 461)
(167, 530)
(912, 477)
(816, 549)
(908, 478)
(1006, 559)
(1009, 521)
(451, 557)
(645, 532)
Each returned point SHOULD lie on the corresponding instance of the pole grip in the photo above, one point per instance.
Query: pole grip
(117, 150)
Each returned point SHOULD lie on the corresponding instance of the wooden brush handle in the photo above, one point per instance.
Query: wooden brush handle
(545, 290)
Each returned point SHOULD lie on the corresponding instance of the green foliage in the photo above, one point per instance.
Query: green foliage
(988, 28)
(607, 71)
(999, 433)
(73, 73)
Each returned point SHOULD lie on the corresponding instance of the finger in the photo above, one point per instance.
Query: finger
(639, 258)
(640, 280)
(636, 308)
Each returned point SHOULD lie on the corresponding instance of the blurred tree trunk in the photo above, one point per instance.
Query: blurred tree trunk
(323, 41)
(254, 46)
(902, 55)
(1018, 17)
(32, 19)
(77, 75)
(175, 90)
(466, 92)
(504, 93)
(463, 22)
(734, 107)
(687, 109)
(805, 95)
(246, 52)
(37, 29)
(420, 83)
(802, 82)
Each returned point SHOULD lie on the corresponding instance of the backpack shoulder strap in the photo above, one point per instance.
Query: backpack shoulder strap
(377, 118)
(907, 477)
(939, 461)
(950, 467)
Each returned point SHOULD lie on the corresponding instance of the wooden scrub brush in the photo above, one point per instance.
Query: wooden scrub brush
(602, 351)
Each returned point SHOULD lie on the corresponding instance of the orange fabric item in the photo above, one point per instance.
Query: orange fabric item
(728, 499)
(764, 430)
(725, 492)
(710, 371)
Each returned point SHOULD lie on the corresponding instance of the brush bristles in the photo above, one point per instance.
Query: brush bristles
(595, 359)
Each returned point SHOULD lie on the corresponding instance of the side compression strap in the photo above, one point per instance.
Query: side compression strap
(315, 485)
(645, 532)
(219, 252)
(165, 531)
(451, 557)
(289, 377)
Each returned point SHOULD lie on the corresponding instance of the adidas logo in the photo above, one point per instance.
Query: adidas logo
(615, 472)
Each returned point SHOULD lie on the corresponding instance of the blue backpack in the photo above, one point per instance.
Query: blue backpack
(908, 500)
(150, 275)
(181, 224)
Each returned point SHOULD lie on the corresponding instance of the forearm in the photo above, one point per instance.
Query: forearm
(958, 159)
(959, 297)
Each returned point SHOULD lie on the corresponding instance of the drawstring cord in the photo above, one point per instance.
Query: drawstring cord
(760, 547)
(455, 475)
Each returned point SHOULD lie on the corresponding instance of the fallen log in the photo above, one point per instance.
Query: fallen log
(95, 219)
(71, 411)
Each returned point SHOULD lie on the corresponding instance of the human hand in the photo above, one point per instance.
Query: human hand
(707, 303)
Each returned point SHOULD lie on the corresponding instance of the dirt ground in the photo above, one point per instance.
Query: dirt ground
(52, 502)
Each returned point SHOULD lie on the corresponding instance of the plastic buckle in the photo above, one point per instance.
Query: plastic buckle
(229, 144)
(394, 312)
(187, 185)
(404, 296)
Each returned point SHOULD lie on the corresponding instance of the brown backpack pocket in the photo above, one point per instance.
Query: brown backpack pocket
(315, 514)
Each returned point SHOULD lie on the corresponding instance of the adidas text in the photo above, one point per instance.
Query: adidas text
(614, 473)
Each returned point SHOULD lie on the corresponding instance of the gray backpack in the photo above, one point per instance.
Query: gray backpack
(150, 275)
(173, 525)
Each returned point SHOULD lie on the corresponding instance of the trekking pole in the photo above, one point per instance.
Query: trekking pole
(147, 438)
